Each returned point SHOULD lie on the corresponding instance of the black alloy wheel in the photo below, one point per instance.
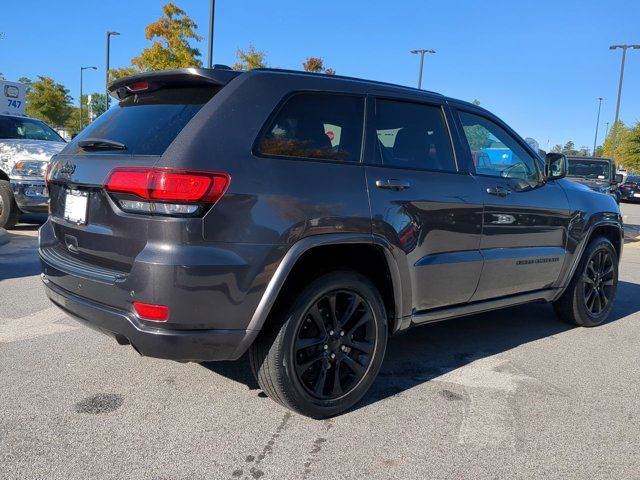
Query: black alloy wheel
(334, 344)
(598, 279)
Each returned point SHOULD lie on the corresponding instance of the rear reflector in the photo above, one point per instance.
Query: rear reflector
(156, 313)
(170, 185)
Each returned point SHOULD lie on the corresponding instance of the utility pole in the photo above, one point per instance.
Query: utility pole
(82, 69)
(595, 140)
(106, 71)
(615, 122)
(421, 51)
(212, 10)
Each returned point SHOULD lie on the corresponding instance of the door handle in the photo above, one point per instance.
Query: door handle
(393, 184)
(498, 191)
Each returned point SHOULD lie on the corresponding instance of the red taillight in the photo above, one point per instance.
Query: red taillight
(47, 172)
(138, 87)
(148, 311)
(164, 184)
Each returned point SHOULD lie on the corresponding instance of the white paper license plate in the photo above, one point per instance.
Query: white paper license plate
(75, 206)
(636, 194)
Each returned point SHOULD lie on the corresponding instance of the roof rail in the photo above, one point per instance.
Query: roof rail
(347, 78)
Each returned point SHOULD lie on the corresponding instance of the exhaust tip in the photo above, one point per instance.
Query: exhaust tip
(122, 340)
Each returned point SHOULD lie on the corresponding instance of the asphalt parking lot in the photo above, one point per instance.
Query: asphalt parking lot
(511, 394)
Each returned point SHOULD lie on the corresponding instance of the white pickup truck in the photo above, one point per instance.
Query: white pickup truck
(26, 147)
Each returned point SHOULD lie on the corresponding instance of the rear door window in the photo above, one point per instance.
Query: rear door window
(413, 135)
(316, 126)
(146, 123)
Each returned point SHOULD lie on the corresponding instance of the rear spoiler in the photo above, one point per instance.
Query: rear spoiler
(184, 77)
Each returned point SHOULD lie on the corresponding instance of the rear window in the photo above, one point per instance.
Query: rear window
(146, 123)
(316, 126)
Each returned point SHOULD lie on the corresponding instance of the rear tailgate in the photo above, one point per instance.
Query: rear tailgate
(151, 112)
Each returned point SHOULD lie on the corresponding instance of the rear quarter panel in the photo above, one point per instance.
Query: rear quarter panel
(272, 201)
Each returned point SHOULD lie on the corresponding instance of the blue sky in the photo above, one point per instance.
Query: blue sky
(540, 65)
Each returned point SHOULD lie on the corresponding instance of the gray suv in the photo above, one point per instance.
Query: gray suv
(305, 219)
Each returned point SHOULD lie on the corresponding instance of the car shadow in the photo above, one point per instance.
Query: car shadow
(19, 258)
(427, 352)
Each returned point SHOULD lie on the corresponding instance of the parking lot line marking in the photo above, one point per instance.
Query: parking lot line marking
(35, 325)
(489, 384)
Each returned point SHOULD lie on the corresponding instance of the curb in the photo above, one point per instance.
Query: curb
(4, 236)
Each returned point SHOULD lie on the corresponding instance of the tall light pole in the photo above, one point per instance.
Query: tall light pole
(421, 51)
(212, 10)
(615, 122)
(82, 69)
(106, 71)
(595, 140)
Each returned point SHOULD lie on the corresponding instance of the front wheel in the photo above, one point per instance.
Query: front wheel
(320, 355)
(9, 211)
(588, 299)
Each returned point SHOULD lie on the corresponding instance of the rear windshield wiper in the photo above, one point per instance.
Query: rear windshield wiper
(100, 144)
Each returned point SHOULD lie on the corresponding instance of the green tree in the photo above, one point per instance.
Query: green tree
(172, 33)
(97, 106)
(316, 65)
(477, 136)
(631, 148)
(557, 148)
(250, 59)
(599, 151)
(49, 101)
(621, 137)
(27, 82)
(476, 102)
(569, 148)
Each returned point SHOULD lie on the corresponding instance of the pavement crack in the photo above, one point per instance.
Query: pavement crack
(314, 452)
(256, 460)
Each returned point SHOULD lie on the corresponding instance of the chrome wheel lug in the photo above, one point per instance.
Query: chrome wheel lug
(333, 355)
(331, 332)
(343, 348)
(326, 347)
(342, 333)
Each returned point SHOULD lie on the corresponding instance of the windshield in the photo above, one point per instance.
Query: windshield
(588, 169)
(12, 128)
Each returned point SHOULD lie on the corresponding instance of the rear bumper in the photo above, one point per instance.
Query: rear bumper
(29, 195)
(179, 345)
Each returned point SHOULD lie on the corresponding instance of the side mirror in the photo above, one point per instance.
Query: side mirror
(555, 166)
(619, 178)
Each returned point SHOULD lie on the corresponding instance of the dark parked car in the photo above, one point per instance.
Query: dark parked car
(599, 174)
(630, 189)
(305, 218)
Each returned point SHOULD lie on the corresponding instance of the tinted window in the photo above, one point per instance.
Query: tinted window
(413, 135)
(147, 123)
(633, 179)
(26, 129)
(495, 152)
(588, 168)
(318, 126)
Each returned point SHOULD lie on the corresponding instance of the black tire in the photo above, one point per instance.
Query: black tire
(580, 301)
(9, 211)
(279, 358)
